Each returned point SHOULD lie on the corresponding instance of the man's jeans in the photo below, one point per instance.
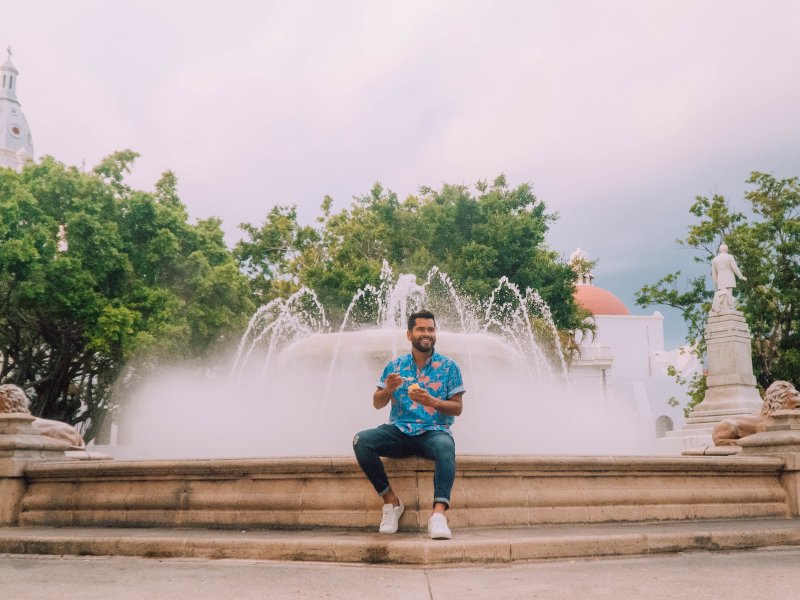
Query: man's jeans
(387, 440)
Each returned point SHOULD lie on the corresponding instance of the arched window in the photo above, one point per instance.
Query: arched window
(663, 425)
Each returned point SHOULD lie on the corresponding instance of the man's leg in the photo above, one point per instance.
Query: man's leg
(440, 447)
(369, 446)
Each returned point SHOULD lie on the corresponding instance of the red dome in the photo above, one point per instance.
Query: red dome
(599, 301)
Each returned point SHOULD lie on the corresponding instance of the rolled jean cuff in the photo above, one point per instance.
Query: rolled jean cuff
(445, 501)
(386, 491)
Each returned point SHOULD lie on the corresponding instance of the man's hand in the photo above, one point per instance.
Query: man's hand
(421, 396)
(451, 407)
(393, 381)
(382, 396)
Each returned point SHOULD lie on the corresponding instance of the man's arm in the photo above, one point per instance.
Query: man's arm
(382, 395)
(451, 407)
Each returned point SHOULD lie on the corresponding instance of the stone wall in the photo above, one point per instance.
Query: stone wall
(20, 444)
(332, 492)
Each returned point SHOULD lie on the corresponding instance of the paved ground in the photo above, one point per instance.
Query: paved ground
(766, 574)
(479, 546)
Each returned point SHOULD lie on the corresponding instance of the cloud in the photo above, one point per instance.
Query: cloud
(618, 112)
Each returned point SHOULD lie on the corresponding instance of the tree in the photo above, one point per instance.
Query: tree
(766, 245)
(474, 239)
(135, 280)
(272, 257)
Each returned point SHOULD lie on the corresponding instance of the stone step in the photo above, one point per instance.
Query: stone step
(349, 546)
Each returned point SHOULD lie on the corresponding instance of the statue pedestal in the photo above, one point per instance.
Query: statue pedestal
(20, 445)
(781, 437)
(731, 383)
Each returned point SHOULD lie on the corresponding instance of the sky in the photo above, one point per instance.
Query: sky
(617, 112)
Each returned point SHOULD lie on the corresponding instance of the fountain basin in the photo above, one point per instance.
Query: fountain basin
(490, 491)
(376, 347)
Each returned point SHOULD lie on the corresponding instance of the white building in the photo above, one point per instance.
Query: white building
(16, 143)
(626, 359)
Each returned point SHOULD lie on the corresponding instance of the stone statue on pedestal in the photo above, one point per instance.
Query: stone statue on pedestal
(731, 384)
(724, 272)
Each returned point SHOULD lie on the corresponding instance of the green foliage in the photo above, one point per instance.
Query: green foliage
(273, 257)
(694, 303)
(136, 280)
(695, 388)
(476, 239)
(767, 249)
(138, 284)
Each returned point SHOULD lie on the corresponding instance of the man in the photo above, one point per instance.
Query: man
(425, 389)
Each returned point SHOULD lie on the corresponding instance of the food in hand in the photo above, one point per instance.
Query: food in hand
(413, 386)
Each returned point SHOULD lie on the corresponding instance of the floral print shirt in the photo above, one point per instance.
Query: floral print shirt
(440, 377)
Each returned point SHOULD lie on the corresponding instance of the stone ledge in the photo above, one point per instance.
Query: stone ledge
(26, 441)
(253, 467)
(479, 546)
(713, 451)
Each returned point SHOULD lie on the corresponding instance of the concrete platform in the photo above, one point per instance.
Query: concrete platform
(769, 573)
(485, 546)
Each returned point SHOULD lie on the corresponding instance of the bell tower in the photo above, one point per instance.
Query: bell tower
(16, 143)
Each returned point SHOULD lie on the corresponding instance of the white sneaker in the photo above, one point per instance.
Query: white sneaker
(391, 517)
(437, 527)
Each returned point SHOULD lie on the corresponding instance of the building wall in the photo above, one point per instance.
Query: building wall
(633, 339)
(626, 358)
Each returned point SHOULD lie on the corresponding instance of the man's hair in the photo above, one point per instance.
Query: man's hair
(422, 314)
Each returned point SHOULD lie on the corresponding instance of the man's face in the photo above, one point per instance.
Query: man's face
(423, 335)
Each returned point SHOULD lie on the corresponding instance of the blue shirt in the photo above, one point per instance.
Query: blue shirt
(440, 377)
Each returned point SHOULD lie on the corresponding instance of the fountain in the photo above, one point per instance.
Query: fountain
(306, 387)
(296, 393)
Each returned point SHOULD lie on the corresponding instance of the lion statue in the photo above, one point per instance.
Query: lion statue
(780, 395)
(14, 400)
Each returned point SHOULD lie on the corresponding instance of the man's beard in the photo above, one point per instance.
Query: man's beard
(420, 348)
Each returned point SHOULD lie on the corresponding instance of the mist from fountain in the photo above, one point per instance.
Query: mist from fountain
(297, 387)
